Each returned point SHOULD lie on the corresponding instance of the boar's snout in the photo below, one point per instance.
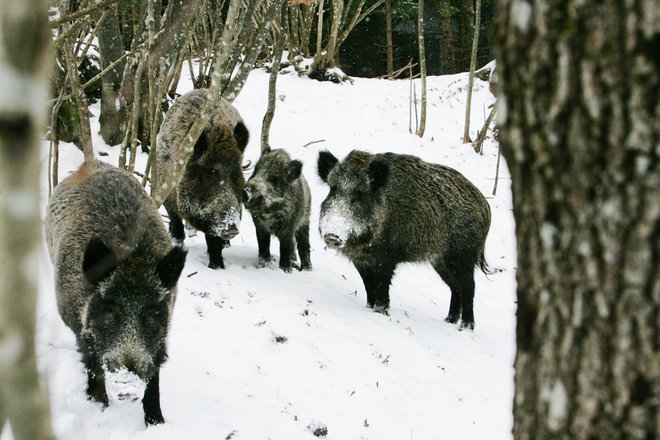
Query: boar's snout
(332, 241)
(229, 233)
(252, 199)
(133, 359)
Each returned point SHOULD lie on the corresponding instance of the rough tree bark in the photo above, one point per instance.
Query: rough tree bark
(24, 60)
(388, 36)
(447, 39)
(578, 113)
(422, 66)
(113, 114)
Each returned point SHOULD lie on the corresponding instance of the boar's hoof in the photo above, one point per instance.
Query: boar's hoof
(264, 262)
(217, 264)
(466, 326)
(332, 241)
(451, 318)
(154, 419)
(382, 309)
(287, 269)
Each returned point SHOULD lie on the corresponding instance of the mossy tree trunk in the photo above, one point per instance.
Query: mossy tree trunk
(578, 112)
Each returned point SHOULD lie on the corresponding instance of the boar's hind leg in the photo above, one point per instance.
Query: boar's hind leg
(302, 240)
(151, 401)
(176, 224)
(214, 246)
(377, 284)
(459, 276)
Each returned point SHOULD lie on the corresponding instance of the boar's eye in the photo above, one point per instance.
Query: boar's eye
(273, 180)
(359, 195)
(152, 315)
(108, 314)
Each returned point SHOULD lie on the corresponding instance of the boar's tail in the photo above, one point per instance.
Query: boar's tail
(483, 265)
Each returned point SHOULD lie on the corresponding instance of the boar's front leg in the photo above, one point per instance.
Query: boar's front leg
(263, 242)
(151, 401)
(214, 246)
(96, 385)
(302, 241)
(377, 280)
(287, 252)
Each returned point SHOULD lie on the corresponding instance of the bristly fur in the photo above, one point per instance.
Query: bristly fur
(397, 208)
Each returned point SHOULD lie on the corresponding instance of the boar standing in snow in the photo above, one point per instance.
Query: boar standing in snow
(115, 279)
(386, 209)
(208, 195)
(278, 197)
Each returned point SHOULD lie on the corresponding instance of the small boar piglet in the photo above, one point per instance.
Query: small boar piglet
(279, 200)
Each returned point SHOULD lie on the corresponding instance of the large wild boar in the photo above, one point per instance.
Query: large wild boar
(208, 194)
(278, 197)
(386, 209)
(115, 279)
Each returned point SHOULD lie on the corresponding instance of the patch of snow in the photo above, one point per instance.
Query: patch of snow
(226, 376)
(557, 403)
(336, 221)
(124, 386)
(521, 13)
(232, 218)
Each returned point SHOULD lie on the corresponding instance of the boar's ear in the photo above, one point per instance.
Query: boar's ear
(242, 135)
(378, 173)
(170, 266)
(325, 164)
(99, 261)
(294, 168)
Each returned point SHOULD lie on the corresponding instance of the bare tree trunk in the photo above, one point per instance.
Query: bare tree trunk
(24, 60)
(481, 134)
(578, 112)
(422, 66)
(447, 40)
(473, 62)
(319, 28)
(388, 33)
(278, 50)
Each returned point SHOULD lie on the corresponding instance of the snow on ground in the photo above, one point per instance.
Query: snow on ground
(258, 354)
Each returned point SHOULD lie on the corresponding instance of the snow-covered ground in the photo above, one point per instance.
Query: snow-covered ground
(258, 354)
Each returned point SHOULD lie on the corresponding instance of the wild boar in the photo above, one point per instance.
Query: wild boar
(208, 195)
(386, 209)
(278, 197)
(115, 280)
